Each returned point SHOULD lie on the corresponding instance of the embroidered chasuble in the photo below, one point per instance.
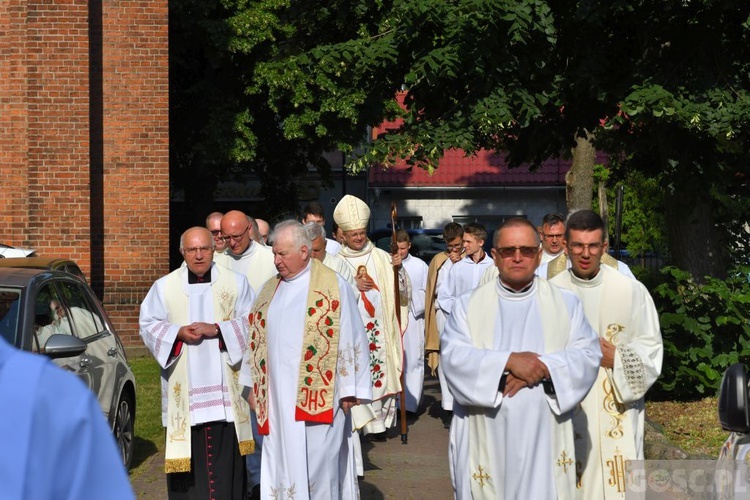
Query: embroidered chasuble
(609, 424)
(307, 349)
(518, 447)
(378, 314)
(199, 384)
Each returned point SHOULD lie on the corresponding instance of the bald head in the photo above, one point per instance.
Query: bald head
(263, 229)
(197, 248)
(236, 228)
(213, 224)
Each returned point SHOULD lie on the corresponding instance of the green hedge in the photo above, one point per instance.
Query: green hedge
(706, 328)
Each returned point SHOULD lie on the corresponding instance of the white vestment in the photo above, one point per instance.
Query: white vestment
(385, 348)
(446, 400)
(256, 264)
(546, 256)
(518, 447)
(414, 333)
(340, 266)
(610, 425)
(462, 277)
(332, 246)
(208, 392)
(295, 451)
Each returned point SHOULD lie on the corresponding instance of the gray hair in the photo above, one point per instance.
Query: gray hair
(315, 231)
(296, 229)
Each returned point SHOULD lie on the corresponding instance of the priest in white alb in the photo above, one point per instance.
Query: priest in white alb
(193, 322)
(609, 425)
(306, 367)
(518, 356)
(414, 335)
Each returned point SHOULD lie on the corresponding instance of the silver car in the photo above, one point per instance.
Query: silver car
(56, 314)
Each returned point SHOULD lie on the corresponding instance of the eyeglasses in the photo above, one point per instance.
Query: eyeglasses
(236, 237)
(578, 248)
(553, 236)
(215, 232)
(508, 252)
(455, 247)
(194, 250)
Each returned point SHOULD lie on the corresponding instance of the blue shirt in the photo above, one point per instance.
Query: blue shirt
(55, 441)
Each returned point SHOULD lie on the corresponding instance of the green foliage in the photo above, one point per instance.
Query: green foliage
(643, 227)
(705, 329)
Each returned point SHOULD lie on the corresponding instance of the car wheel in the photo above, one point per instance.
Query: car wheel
(123, 429)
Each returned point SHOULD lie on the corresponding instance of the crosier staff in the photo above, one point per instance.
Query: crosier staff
(397, 296)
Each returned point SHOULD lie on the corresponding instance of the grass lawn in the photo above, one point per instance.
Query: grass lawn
(149, 433)
(693, 426)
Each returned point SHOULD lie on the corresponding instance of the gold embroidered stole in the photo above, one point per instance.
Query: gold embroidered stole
(615, 428)
(560, 264)
(317, 372)
(482, 312)
(431, 334)
(178, 450)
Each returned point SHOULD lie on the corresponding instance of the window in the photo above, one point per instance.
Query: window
(83, 313)
(9, 300)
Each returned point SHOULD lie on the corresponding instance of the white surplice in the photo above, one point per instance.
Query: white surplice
(294, 451)
(610, 425)
(340, 266)
(255, 264)
(462, 277)
(526, 439)
(208, 394)
(414, 333)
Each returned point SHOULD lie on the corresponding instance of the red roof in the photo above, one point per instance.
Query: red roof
(486, 168)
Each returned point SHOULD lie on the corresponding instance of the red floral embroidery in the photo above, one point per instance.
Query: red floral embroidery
(378, 383)
(370, 325)
(334, 305)
(311, 311)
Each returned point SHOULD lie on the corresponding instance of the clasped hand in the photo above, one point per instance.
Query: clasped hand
(526, 370)
(194, 333)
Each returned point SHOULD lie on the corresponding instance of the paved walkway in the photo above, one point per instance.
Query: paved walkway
(417, 470)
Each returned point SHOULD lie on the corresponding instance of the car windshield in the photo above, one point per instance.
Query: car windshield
(10, 298)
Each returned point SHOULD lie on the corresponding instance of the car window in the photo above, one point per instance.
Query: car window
(9, 303)
(50, 316)
(83, 314)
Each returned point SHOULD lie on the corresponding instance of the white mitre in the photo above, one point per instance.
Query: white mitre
(351, 213)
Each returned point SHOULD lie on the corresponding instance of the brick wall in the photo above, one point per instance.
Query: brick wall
(84, 144)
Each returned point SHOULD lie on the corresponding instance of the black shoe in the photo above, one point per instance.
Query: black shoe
(255, 494)
(379, 437)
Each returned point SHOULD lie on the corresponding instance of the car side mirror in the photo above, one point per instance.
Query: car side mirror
(734, 410)
(64, 346)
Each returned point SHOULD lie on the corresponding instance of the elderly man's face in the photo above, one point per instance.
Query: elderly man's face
(319, 248)
(517, 255)
(553, 237)
(289, 261)
(355, 239)
(214, 225)
(197, 250)
(236, 230)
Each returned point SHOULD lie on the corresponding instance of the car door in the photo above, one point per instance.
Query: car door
(97, 366)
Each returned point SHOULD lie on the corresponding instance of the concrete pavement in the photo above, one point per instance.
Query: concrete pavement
(416, 470)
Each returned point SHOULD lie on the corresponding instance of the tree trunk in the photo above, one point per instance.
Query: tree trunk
(694, 242)
(579, 181)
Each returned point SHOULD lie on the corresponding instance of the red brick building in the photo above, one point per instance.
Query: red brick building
(84, 127)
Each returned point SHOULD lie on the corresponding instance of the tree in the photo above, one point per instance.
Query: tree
(660, 85)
